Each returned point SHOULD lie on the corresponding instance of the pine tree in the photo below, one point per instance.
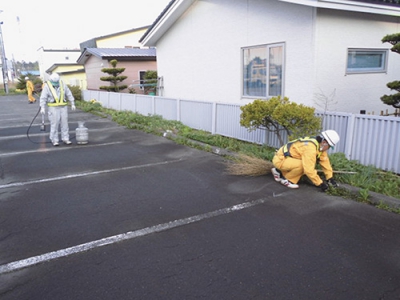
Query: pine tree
(394, 99)
(114, 77)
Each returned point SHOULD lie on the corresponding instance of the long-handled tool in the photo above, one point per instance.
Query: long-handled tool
(42, 128)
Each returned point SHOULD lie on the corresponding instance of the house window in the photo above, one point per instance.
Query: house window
(263, 71)
(366, 61)
(141, 78)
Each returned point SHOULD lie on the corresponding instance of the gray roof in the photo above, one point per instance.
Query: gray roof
(126, 54)
(92, 43)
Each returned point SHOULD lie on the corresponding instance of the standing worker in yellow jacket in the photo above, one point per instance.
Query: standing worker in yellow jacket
(30, 89)
(55, 94)
(299, 157)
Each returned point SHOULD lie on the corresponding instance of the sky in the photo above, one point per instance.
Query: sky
(33, 24)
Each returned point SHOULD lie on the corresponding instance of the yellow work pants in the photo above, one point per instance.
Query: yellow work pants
(30, 97)
(291, 168)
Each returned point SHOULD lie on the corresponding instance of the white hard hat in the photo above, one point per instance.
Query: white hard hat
(54, 77)
(331, 136)
(26, 78)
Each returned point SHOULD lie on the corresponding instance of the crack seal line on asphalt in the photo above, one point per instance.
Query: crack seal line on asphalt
(45, 134)
(4, 186)
(17, 265)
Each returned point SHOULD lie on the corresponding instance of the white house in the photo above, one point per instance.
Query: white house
(65, 61)
(316, 52)
(123, 39)
(50, 57)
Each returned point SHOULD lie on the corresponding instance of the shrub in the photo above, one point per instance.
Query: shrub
(114, 77)
(277, 114)
(76, 91)
(150, 78)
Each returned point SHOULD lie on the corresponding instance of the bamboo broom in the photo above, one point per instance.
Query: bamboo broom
(245, 165)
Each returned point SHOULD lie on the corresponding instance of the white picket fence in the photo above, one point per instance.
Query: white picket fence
(368, 139)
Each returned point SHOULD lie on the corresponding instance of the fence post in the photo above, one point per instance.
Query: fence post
(153, 105)
(135, 103)
(214, 118)
(349, 136)
(178, 109)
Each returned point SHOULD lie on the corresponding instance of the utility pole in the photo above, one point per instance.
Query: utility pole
(3, 60)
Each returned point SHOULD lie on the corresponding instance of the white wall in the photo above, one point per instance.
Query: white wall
(200, 56)
(338, 31)
(48, 57)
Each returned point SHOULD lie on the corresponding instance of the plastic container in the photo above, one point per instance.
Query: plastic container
(82, 134)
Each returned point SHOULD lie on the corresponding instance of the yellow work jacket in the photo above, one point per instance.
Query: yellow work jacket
(29, 86)
(307, 149)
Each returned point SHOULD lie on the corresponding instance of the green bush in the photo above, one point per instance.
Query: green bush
(150, 78)
(21, 84)
(76, 91)
(277, 114)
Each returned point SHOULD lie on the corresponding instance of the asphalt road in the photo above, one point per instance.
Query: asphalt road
(136, 216)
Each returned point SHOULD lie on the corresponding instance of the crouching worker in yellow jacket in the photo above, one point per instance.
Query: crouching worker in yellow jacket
(299, 157)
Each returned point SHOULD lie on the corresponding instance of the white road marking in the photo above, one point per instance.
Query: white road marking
(59, 148)
(4, 186)
(46, 134)
(17, 265)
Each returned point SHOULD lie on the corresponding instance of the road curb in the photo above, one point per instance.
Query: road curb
(373, 198)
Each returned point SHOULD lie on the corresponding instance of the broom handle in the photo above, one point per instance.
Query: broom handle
(339, 172)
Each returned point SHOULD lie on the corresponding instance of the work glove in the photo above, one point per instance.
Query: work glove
(323, 186)
(332, 182)
(73, 107)
(42, 110)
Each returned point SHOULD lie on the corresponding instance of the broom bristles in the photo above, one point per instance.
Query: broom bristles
(245, 165)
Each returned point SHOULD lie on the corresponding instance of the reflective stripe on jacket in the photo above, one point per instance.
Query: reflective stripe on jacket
(307, 150)
(58, 101)
(286, 148)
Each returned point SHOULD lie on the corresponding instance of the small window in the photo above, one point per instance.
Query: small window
(141, 78)
(366, 61)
